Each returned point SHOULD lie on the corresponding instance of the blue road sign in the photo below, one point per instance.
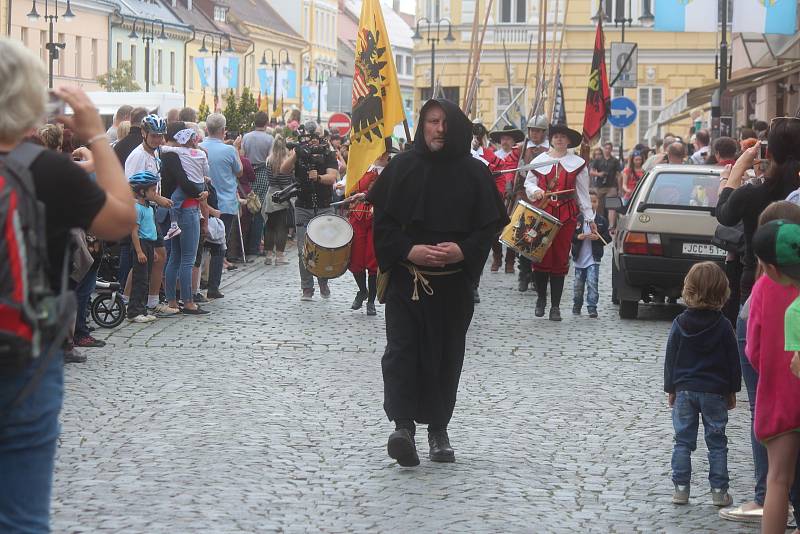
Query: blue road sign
(623, 112)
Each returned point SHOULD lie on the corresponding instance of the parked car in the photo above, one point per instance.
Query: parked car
(667, 227)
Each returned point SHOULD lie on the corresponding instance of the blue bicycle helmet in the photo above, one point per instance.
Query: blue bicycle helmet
(154, 124)
(142, 180)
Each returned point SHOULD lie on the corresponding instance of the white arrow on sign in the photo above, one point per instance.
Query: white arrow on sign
(627, 112)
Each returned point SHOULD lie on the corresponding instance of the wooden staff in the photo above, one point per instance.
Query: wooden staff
(538, 60)
(558, 60)
(477, 61)
(472, 45)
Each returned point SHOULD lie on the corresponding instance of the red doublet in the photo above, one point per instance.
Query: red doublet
(510, 161)
(362, 254)
(565, 209)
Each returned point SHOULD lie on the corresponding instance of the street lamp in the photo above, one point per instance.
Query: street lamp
(148, 36)
(51, 18)
(319, 80)
(287, 63)
(216, 51)
(433, 41)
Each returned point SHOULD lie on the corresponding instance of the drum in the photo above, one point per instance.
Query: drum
(531, 231)
(326, 251)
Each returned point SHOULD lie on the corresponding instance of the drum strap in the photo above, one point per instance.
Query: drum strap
(419, 279)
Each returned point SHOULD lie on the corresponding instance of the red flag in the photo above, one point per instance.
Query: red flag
(598, 97)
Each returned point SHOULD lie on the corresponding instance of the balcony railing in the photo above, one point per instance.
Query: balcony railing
(510, 33)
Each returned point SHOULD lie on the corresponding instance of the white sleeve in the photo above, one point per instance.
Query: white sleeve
(582, 190)
(531, 184)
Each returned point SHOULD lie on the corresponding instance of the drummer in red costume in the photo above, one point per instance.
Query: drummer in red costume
(506, 157)
(570, 175)
(363, 264)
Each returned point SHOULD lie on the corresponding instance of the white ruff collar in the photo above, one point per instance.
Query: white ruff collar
(570, 162)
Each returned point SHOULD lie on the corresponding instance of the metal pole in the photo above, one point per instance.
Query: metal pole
(319, 100)
(433, 67)
(275, 91)
(146, 63)
(52, 49)
(216, 76)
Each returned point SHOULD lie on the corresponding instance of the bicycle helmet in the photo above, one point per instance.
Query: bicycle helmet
(154, 124)
(142, 180)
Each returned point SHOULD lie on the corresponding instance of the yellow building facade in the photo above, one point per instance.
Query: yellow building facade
(4, 29)
(668, 63)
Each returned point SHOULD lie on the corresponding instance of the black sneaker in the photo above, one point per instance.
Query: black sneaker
(555, 314)
(199, 298)
(359, 300)
(593, 314)
(211, 294)
(476, 297)
(73, 356)
(402, 448)
(576, 310)
(540, 305)
(371, 311)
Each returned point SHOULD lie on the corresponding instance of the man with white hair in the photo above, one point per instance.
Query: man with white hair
(226, 167)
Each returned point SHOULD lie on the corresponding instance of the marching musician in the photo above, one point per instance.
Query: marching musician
(562, 190)
(363, 264)
(507, 157)
(436, 215)
(536, 144)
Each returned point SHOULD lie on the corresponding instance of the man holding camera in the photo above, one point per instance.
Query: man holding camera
(315, 171)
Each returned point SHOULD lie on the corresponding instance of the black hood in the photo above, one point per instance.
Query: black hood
(458, 138)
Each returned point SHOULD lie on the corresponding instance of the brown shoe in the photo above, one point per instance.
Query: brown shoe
(510, 268)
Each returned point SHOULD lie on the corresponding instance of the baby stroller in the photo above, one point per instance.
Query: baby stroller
(107, 308)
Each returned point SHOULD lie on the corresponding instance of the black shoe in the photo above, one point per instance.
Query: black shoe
(476, 297)
(555, 314)
(359, 300)
(371, 309)
(211, 294)
(540, 305)
(199, 298)
(73, 356)
(576, 310)
(593, 314)
(197, 311)
(441, 451)
(524, 282)
(203, 285)
(236, 260)
(402, 448)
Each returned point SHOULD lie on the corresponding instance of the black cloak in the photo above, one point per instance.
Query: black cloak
(438, 196)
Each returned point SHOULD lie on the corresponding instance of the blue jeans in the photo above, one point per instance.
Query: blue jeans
(751, 383)
(255, 234)
(689, 405)
(28, 447)
(83, 293)
(124, 261)
(182, 254)
(590, 276)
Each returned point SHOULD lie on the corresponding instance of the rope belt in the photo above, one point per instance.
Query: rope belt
(420, 279)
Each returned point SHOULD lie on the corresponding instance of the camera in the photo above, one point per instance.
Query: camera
(55, 107)
(309, 156)
(763, 151)
(284, 195)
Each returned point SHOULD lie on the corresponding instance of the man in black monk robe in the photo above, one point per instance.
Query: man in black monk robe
(437, 212)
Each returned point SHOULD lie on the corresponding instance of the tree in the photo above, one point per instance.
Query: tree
(248, 107)
(203, 111)
(120, 79)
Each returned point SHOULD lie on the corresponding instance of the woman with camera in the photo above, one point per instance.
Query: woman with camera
(744, 202)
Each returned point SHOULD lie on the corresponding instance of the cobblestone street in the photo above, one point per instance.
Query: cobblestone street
(267, 416)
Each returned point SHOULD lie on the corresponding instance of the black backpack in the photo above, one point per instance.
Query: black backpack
(31, 316)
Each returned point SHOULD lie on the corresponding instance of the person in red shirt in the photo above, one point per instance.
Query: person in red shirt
(632, 174)
(363, 264)
(507, 158)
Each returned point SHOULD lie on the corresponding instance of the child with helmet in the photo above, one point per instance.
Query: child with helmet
(143, 238)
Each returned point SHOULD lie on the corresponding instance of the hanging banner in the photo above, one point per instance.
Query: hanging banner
(765, 17)
(228, 72)
(205, 68)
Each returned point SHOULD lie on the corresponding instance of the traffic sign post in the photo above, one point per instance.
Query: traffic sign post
(340, 123)
(623, 112)
(624, 65)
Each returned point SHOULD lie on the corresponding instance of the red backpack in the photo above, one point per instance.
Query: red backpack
(31, 316)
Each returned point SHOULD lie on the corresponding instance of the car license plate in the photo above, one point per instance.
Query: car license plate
(703, 249)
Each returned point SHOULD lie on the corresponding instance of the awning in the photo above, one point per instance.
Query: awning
(681, 107)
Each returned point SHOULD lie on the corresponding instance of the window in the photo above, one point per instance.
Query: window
(409, 66)
(191, 72)
(513, 11)
(398, 63)
(78, 66)
(133, 61)
(220, 13)
(306, 23)
(503, 100)
(684, 190)
(61, 61)
(120, 59)
(23, 36)
(651, 102)
(160, 73)
(172, 69)
(433, 10)
(94, 58)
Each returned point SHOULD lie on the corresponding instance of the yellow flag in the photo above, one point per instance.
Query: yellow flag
(377, 105)
(264, 104)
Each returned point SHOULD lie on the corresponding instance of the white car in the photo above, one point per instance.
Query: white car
(667, 227)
